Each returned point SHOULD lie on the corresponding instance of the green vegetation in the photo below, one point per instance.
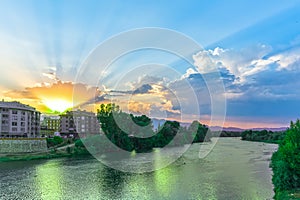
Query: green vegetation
(263, 136)
(226, 134)
(130, 132)
(56, 140)
(123, 130)
(96, 143)
(287, 194)
(34, 156)
(285, 164)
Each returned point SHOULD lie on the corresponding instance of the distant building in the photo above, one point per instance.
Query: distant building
(18, 120)
(50, 125)
(78, 122)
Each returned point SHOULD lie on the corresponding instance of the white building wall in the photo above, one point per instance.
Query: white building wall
(18, 119)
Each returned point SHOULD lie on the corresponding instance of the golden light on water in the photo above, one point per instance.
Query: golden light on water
(49, 180)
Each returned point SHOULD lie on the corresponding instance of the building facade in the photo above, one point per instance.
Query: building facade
(79, 122)
(50, 124)
(18, 120)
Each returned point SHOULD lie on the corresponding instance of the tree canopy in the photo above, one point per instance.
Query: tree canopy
(131, 132)
(286, 161)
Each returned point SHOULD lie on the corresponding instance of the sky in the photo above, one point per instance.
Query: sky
(246, 69)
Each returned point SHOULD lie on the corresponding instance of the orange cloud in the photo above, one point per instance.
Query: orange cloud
(59, 96)
(44, 97)
(139, 107)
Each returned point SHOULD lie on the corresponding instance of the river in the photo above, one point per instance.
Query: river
(233, 170)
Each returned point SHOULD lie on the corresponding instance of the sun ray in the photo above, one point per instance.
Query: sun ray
(59, 105)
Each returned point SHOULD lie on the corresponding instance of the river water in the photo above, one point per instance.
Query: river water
(234, 169)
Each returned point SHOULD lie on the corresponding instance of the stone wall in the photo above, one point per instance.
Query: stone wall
(22, 145)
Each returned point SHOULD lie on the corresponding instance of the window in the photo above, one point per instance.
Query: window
(23, 129)
(14, 124)
(23, 113)
(22, 124)
(14, 129)
(22, 118)
(4, 116)
(15, 112)
(14, 117)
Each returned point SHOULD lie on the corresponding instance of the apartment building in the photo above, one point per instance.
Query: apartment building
(18, 120)
(79, 122)
(52, 123)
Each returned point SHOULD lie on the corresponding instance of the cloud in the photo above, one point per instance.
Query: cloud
(189, 72)
(37, 96)
(250, 75)
(143, 89)
(254, 72)
(288, 60)
(51, 73)
(204, 61)
(158, 96)
(146, 79)
(257, 78)
(139, 107)
(241, 63)
(143, 99)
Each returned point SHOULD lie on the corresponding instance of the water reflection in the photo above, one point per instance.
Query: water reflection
(111, 183)
(49, 179)
(164, 178)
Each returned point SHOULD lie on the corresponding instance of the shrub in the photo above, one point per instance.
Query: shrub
(286, 161)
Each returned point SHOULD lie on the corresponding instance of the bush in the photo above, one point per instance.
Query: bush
(56, 140)
(264, 136)
(286, 161)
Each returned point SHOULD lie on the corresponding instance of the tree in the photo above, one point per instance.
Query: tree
(56, 140)
(131, 132)
(198, 131)
(286, 161)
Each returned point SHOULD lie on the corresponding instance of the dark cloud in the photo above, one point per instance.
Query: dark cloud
(143, 89)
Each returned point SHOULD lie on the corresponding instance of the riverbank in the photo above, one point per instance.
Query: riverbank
(51, 154)
(285, 161)
(263, 136)
(22, 145)
(28, 156)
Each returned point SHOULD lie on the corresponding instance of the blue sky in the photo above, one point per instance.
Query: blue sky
(254, 44)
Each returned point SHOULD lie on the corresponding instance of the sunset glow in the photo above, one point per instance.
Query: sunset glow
(259, 65)
(59, 105)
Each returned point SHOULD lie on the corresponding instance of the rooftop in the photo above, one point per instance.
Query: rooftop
(15, 104)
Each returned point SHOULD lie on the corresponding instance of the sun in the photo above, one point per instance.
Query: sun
(59, 105)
